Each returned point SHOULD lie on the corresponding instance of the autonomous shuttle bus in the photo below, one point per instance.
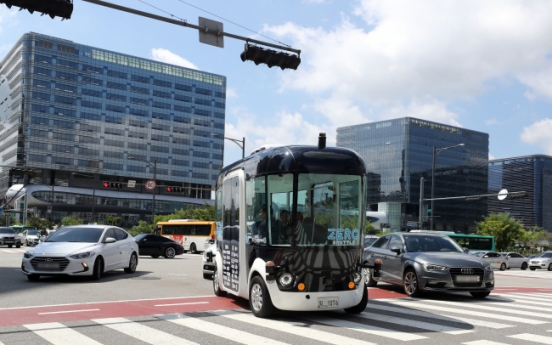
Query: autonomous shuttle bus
(289, 233)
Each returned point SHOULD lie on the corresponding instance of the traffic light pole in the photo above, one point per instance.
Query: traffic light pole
(188, 25)
(513, 195)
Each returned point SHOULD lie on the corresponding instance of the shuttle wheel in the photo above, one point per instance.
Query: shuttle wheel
(359, 308)
(259, 299)
(216, 284)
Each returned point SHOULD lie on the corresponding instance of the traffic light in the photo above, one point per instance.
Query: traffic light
(518, 195)
(175, 189)
(53, 8)
(112, 184)
(473, 198)
(270, 57)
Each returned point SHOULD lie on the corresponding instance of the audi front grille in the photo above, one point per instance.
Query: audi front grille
(458, 272)
(54, 264)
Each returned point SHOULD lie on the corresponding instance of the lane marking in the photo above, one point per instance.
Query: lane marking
(68, 311)
(533, 338)
(168, 305)
(484, 342)
(59, 334)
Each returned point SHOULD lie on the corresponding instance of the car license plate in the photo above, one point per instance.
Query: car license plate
(47, 266)
(9, 241)
(467, 279)
(328, 302)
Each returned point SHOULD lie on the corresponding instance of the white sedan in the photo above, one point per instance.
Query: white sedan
(82, 250)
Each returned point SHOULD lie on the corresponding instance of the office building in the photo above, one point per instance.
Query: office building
(530, 174)
(399, 152)
(82, 129)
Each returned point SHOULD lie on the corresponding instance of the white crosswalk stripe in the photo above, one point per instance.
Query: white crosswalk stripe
(385, 321)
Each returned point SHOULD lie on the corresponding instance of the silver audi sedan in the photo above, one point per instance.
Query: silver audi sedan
(428, 262)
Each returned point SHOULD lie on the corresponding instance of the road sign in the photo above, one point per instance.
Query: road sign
(211, 33)
(502, 194)
(131, 183)
(150, 184)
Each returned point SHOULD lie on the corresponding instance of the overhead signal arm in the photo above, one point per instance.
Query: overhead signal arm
(211, 32)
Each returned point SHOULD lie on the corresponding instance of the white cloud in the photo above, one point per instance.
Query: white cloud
(431, 110)
(492, 122)
(538, 134)
(491, 157)
(231, 93)
(164, 55)
(406, 49)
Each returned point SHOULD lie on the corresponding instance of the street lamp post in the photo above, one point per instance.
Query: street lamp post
(154, 166)
(436, 152)
(240, 143)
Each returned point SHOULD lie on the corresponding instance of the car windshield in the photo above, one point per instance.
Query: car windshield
(7, 231)
(544, 255)
(32, 232)
(139, 237)
(431, 244)
(76, 234)
(368, 241)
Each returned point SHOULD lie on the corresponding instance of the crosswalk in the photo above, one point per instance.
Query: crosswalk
(14, 250)
(501, 319)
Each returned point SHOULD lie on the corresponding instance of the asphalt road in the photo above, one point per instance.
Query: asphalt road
(168, 301)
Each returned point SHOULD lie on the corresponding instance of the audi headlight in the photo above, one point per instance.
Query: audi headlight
(27, 255)
(488, 268)
(432, 267)
(84, 255)
(286, 279)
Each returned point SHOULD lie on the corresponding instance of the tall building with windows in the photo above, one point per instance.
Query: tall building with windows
(531, 174)
(73, 117)
(399, 152)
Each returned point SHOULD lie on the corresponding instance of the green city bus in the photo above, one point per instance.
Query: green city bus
(475, 243)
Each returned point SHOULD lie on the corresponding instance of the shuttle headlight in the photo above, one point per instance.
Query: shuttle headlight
(357, 277)
(286, 280)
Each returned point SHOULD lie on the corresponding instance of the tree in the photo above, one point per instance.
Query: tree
(369, 229)
(537, 237)
(504, 228)
(143, 227)
(110, 220)
(71, 220)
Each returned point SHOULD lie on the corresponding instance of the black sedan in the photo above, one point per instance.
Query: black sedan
(156, 246)
(428, 262)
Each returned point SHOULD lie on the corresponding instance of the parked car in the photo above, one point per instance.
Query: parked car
(209, 262)
(9, 238)
(369, 240)
(543, 260)
(82, 250)
(428, 262)
(495, 259)
(156, 246)
(30, 237)
(515, 260)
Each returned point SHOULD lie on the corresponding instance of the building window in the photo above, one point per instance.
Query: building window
(183, 87)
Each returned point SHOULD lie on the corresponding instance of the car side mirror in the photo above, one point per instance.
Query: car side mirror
(466, 250)
(110, 240)
(395, 250)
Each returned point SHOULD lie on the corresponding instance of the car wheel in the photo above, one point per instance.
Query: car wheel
(155, 256)
(216, 284)
(410, 283)
(359, 308)
(502, 266)
(193, 248)
(170, 253)
(532, 268)
(524, 266)
(480, 294)
(10, 245)
(33, 277)
(259, 299)
(98, 269)
(17, 246)
(27, 243)
(550, 267)
(132, 264)
(207, 276)
(369, 280)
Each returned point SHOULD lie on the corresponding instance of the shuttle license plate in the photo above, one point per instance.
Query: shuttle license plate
(328, 302)
(467, 279)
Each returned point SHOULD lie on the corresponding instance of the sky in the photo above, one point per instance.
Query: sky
(480, 65)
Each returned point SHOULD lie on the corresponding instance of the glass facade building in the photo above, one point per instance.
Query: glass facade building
(399, 152)
(531, 174)
(79, 116)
